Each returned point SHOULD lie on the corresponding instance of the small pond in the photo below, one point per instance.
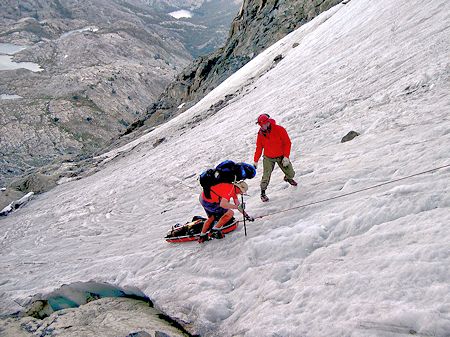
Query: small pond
(7, 50)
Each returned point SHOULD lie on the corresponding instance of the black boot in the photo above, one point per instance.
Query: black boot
(264, 197)
(290, 181)
(217, 233)
(203, 237)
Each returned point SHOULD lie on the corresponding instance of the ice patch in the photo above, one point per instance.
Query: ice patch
(6, 63)
(181, 14)
(6, 96)
(10, 49)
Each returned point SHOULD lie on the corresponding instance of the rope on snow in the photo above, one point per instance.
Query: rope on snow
(354, 192)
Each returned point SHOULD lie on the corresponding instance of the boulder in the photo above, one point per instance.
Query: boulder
(349, 136)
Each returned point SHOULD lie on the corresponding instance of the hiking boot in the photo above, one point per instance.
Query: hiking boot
(290, 181)
(264, 197)
(203, 237)
(217, 233)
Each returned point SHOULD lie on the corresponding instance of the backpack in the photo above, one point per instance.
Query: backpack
(226, 172)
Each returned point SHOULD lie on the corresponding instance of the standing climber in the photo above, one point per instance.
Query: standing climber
(274, 141)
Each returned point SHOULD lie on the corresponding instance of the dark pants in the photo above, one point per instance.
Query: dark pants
(213, 209)
(269, 165)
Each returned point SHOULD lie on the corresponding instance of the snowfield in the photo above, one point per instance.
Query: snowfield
(371, 263)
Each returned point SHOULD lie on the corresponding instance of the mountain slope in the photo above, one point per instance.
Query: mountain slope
(257, 25)
(372, 263)
(103, 62)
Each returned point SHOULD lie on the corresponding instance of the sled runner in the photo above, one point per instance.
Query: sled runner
(190, 231)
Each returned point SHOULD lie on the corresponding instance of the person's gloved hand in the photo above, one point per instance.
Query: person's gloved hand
(248, 217)
(255, 164)
(241, 207)
(285, 161)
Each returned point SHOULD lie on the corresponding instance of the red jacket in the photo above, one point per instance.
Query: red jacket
(219, 191)
(275, 142)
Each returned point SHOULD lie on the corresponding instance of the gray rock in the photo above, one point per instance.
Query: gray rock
(278, 58)
(349, 136)
(14, 205)
(161, 334)
(38, 309)
(104, 317)
(8, 195)
(139, 334)
(35, 182)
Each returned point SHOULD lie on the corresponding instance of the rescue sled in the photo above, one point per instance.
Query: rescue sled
(190, 231)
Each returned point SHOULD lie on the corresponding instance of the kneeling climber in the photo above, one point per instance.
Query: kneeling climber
(219, 207)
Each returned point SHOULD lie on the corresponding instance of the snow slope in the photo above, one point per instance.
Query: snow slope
(373, 263)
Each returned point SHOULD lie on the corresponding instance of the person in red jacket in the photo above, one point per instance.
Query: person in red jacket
(219, 207)
(274, 141)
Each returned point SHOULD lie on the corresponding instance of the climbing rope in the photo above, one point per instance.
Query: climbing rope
(354, 192)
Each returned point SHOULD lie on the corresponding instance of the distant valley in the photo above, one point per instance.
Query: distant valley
(74, 75)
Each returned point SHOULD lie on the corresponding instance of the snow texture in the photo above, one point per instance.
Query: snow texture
(373, 263)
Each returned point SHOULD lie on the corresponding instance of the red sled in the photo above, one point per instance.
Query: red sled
(190, 231)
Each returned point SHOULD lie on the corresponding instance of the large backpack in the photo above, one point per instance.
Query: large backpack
(226, 172)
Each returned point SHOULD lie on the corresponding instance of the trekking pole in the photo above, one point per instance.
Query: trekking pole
(243, 213)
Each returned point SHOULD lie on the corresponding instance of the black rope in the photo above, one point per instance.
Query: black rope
(354, 192)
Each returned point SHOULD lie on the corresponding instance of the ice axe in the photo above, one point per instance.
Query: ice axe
(245, 215)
